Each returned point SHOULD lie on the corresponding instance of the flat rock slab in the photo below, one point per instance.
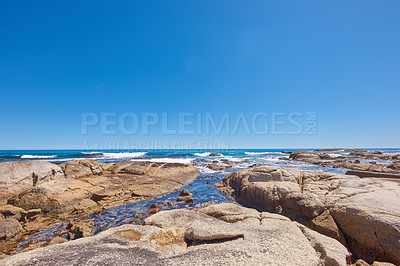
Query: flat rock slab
(275, 242)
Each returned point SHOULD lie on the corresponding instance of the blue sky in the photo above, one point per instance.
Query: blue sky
(339, 59)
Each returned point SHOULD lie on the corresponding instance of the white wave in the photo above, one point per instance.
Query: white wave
(65, 159)
(233, 159)
(122, 155)
(204, 154)
(92, 152)
(167, 160)
(205, 170)
(335, 154)
(261, 153)
(38, 156)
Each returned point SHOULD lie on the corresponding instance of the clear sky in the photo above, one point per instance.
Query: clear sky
(339, 59)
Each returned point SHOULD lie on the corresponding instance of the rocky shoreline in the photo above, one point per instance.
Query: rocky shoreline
(219, 234)
(38, 194)
(362, 163)
(290, 216)
(361, 213)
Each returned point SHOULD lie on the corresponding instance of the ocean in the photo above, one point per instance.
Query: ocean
(60, 156)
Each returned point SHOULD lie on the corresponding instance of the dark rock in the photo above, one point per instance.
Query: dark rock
(188, 199)
(185, 193)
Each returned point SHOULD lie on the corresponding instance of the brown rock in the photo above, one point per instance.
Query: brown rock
(372, 174)
(10, 230)
(83, 168)
(74, 170)
(20, 175)
(33, 213)
(154, 208)
(98, 192)
(218, 167)
(394, 166)
(10, 211)
(130, 234)
(188, 199)
(276, 240)
(357, 211)
(173, 236)
(82, 228)
(57, 240)
(185, 193)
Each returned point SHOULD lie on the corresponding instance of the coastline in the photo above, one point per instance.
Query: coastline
(212, 167)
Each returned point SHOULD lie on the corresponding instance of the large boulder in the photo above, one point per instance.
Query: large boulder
(309, 156)
(188, 237)
(17, 176)
(362, 213)
(83, 168)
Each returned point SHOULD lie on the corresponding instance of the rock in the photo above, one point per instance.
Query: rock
(98, 192)
(347, 160)
(334, 252)
(129, 234)
(10, 211)
(309, 156)
(371, 167)
(57, 240)
(33, 213)
(83, 168)
(10, 230)
(82, 228)
(185, 196)
(356, 211)
(372, 174)
(169, 237)
(394, 166)
(214, 154)
(174, 171)
(231, 213)
(20, 175)
(154, 208)
(73, 169)
(187, 237)
(188, 199)
(96, 167)
(185, 193)
(57, 196)
(218, 167)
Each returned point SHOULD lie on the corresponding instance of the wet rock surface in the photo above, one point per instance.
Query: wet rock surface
(190, 237)
(362, 213)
